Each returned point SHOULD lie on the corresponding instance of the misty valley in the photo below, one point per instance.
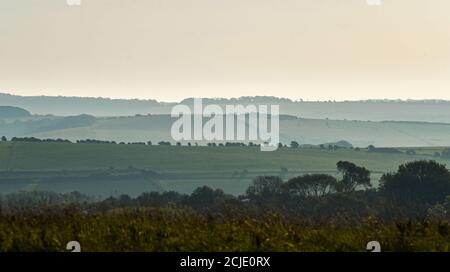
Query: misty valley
(128, 177)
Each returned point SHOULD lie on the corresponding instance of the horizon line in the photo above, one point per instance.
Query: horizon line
(300, 100)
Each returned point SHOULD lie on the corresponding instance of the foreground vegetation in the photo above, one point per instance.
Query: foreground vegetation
(169, 229)
(410, 211)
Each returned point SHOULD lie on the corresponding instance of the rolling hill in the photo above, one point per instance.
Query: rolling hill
(105, 169)
(370, 110)
(156, 128)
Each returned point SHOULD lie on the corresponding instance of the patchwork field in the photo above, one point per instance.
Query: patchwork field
(106, 169)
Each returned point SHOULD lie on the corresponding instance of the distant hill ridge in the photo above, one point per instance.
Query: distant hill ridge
(13, 112)
(157, 128)
(364, 110)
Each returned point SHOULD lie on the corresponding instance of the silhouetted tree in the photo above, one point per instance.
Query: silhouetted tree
(352, 177)
(417, 183)
(265, 187)
(311, 185)
(294, 144)
(164, 143)
(206, 197)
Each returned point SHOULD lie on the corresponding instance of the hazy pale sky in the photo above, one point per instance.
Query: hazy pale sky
(172, 49)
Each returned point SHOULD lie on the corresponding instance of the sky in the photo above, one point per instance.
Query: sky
(172, 49)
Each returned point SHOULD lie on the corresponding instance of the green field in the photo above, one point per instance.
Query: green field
(178, 168)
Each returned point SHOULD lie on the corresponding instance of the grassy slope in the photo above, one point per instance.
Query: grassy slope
(305, 131)
(186, 168)
(56, 156)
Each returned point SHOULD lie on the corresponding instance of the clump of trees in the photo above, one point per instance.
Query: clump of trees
(417, 189)
(93, 141)
(265, 187)
(36, 140)
(352, 177)
(318, 185)
(294, 144)
(387, 150)
(416, 185)
(164, 143)
(313, 185)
